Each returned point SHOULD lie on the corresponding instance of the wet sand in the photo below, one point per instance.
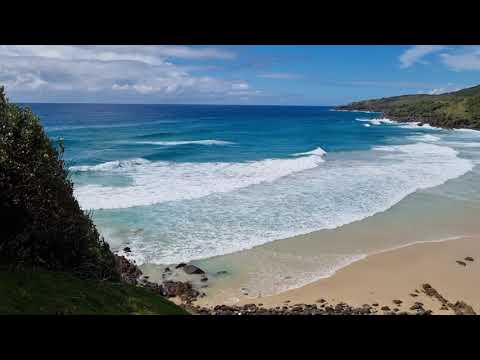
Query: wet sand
(395, 274)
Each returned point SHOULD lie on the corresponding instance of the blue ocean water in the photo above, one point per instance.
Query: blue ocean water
(183, 182)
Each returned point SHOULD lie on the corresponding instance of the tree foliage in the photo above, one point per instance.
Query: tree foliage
(42, 223)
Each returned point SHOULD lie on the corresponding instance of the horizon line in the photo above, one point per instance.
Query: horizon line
(182, 104)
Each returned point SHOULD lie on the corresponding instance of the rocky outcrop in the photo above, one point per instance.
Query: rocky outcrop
(301, 309)
(183, 290)
(459, 109)
(128, 271)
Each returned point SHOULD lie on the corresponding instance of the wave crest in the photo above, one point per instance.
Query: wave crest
(157, 182)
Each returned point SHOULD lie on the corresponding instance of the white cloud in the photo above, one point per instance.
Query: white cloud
(467, 58)
(112, 70)
(240, 86)
(450, 87)
(417, 53)
(278, 76)
(150, 54)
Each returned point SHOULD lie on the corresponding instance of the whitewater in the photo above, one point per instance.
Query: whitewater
(182, 183)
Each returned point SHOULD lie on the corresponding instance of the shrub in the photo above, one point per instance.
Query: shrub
(42, 223)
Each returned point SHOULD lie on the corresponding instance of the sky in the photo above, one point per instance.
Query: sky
(241, 74)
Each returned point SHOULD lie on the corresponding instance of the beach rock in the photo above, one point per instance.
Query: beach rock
(180, 265)
(321, 301)
(462, 308)
(385, 308)
(192, 269)
(421, 124)
(167, 269)
(413, 295)
(129, 272)
(416, 306)
(429, 290)
(375, 304)
(183, 290)
(397, 302)
(222, 272)
(461, 263)
(203, 279)
(127, 249)
(469, 258)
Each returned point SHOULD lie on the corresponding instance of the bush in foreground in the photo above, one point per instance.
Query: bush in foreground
(42, 223)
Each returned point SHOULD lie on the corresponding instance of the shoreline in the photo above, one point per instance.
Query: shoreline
(411, 120)
(387, 276)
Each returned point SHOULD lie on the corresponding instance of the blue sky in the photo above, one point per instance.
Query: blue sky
(283, 75)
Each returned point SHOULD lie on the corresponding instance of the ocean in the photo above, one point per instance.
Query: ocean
(210, 184)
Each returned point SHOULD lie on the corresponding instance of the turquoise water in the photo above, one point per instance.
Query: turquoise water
(183, 182)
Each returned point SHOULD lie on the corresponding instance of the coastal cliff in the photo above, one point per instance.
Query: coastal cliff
(459, 109)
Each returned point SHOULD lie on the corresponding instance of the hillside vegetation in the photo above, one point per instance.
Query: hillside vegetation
(42, 223)
(52, 258)
(459, 109)
(46, 292)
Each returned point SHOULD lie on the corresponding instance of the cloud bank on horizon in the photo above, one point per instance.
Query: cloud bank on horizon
(303, 75)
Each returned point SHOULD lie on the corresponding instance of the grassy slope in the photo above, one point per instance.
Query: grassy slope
(44, 292)
(455, 109)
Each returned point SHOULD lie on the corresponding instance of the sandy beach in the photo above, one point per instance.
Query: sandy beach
(394, 275)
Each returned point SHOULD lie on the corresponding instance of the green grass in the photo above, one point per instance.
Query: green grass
(44, 292)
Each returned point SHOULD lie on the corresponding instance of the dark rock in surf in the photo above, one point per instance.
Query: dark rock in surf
(192, 269)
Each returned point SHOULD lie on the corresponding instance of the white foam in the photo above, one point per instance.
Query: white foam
(358, 111)
(415, 125)
(376, 121)
(472, 131)
(157, 182)
(425, 138)
(366, 125)
(104, 126)
(110, 165)
(404, 125)
(318, 152)
(174, 143)
(319, 197)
